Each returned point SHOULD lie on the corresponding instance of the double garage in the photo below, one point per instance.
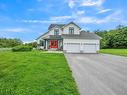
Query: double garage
(81, 46)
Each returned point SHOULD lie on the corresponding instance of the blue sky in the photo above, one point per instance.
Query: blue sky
(28, 19)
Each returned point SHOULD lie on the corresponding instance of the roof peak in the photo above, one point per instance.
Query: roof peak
(61, 25)
(53, 25)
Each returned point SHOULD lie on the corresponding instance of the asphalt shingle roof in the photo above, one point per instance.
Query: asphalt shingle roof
(83, 35)
(54, 25)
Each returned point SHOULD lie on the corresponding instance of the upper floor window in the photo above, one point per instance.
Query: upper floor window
(56, 31)
(71, 30)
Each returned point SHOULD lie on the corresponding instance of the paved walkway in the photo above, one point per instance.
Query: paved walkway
(99, 74)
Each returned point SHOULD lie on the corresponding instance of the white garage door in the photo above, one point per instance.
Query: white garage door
(72, 47)
(89, 48)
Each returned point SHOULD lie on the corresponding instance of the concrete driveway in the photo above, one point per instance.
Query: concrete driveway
(99, 74)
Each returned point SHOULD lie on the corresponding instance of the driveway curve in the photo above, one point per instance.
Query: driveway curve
(99, 74)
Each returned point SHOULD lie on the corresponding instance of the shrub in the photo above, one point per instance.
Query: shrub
(22, 48)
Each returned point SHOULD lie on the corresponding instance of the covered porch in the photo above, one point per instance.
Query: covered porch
(53, 44)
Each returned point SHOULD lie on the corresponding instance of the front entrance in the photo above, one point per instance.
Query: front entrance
(53, 43)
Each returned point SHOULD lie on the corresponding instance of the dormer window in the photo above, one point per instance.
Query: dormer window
(56, 31)
(71, 30)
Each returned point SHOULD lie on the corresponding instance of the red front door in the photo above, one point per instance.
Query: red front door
(53, 43)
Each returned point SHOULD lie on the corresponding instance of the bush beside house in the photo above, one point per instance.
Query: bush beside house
(22, 48)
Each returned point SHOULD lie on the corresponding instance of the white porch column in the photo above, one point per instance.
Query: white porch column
(46, 44)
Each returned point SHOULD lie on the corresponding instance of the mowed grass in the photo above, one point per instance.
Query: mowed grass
(35, 73)
(121, 52)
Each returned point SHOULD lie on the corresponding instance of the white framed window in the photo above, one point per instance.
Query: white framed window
(56, 31)
(71, 30)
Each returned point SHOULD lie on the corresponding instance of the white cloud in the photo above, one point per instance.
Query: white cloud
(81, 17)
(85, 20)
(104, 11)
(54, 19)
(31, 21)
(35, 21)
(80, 12)
(71, 3)
(114, 17)
(92, 2)
(60, 18)
(88, 3)
(14, 30)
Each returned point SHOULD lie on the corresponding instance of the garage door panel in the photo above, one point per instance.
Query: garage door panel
(81, 47)
(73, 47)
(89, 48)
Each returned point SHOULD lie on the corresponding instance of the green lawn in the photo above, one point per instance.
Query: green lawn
(121, 52)
(35, 73)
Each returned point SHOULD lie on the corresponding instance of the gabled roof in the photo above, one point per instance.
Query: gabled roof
(42, 35)
(83, 35)
(72, 23)
(61, 25)
(54, 25)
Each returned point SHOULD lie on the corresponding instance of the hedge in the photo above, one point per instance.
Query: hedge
(22, 48)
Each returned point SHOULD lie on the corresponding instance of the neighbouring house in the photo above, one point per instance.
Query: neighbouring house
(69, 38)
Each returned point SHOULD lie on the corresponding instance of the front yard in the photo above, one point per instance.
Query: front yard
(35, 73)
(121, 52)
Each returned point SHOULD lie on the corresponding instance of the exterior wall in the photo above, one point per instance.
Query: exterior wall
(81, 41)
(66, 29)
(51, 32)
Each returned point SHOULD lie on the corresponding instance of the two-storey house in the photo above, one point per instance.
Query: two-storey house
(69, 38)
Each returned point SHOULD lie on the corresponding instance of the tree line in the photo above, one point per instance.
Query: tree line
(116, 38)
(8, 42)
